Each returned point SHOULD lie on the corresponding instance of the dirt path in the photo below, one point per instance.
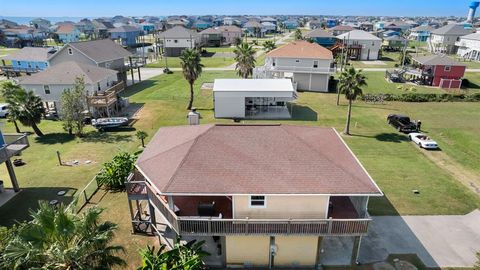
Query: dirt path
(465, 176)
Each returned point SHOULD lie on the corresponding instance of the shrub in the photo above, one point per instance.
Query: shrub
(114, 173)
(411, 96)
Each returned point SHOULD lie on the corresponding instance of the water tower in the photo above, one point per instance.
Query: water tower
(471, 12)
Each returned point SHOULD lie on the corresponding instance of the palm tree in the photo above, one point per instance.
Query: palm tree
(298, 34)
(192, 69)
(26, 106)
(8, 91)
(245, 57)
(142, 135)
(56, 238)
(350, 84)
(269, 45)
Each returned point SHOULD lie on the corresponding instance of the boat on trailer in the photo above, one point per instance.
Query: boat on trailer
(111, 122)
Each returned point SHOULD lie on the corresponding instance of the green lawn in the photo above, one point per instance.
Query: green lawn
(6, 51)
(396, 164)
(213, 62)
(219, 49)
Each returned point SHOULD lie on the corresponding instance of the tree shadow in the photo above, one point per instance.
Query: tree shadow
(18, 209)
(302, 113)
(386, 137)
(54, 138)
(108, 137)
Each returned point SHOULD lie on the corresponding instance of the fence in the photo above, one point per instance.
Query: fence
(85, 195)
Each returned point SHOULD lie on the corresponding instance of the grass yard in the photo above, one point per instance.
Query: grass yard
(6, 51)
(219, 49)
(396, 164)
(209, 62)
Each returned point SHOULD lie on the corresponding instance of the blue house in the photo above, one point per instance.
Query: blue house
(331, 23)
(390, 33)
(290, 24)
(421, 33)
(147, 27)
(202, 25)
(31, 59)
(68, 33)
(127, 35)
(322, 37)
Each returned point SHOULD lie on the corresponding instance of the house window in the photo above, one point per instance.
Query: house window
(297, 61)
(46, 88)
(70, 51)
(175, 40)
(448, 68)
(257, 201)
(315, 64)
(18, 63)
(98, 86)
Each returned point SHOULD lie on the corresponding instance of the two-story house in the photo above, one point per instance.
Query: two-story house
(179, 38)
(421, 33)
(260, 195)
(309, 65)
(340, 29)
(442, 40)
(126, 35)
(469, 47)
(361, 45)
(68, 33)
(230, 33)
(28, 59)
(322, 37)
(101, 86)
(440, 71)
(254, 29)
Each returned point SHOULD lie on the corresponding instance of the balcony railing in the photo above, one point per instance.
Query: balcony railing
(14, 145)
(294, 69)
(106, 98)
(201, 226)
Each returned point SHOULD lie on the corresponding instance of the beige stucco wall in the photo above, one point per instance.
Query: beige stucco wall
(300, 207)
(252, 250)
(296, 251)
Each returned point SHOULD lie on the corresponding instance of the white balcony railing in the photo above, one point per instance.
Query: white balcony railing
(14, 145)
(293, 69)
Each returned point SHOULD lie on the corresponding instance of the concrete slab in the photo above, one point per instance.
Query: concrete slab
(336, 251)
(374, 63)
(439, 241)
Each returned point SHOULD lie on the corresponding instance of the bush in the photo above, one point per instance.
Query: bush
(114, 173)
(419, 97)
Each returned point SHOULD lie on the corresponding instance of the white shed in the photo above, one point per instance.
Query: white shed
(253, 98)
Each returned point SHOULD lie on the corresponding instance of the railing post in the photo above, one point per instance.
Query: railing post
(288, 225)
(330, 221)
(246, 225)
(209, 225)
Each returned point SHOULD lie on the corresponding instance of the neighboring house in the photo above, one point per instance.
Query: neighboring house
(469, 47)
(340, 29)
(315, 24)
(366, 26)
(269, 27)
(212, 37)
(322, 37)
(23, 36)
(126, 35)
(254, 29)
(230, 33)
(253, 98)
(361, 45)
(40, 23)
(29, 59)
(395, 42)
(390, 33)
(176, 23)
(379, 26)
(85, 26)
(50, 84)
(398, 26)
(421, 33)
(103, 53)
(330, 22)
(310, 64)
(259, 195)
(147, 27)
(101, 28)
(441, 71)
(68, 33)
(290, 24)
(179, 38)
(442, 40)
(228, 21)
(202, 25)
(269, 20)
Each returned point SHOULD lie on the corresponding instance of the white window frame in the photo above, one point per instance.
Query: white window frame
(257, 206)
(315, 63)
(447, 68)
(70, 51)
(46, 88)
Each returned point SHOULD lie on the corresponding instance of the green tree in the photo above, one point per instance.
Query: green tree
(8, 91)
(25, 107)
(56, 238)
(298, 34)
(182, 257)
(245, 57)
(192, 69)
(115, 172)
(350, 83)
(269, 45)
(142, 135)
(73, 104)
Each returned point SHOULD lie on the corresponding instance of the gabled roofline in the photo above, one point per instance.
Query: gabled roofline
(69, 44)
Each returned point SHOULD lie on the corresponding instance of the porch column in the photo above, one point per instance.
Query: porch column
(153, 221)
(11, 173)
(171, 205)
(139, 76)
(131, 214)
(355, 250)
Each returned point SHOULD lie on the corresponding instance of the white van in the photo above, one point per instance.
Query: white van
(3, 110)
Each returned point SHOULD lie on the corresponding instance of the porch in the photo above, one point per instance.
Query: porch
(105, 103)
(13, 145)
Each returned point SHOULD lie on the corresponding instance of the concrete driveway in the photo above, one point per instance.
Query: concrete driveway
(439, 241)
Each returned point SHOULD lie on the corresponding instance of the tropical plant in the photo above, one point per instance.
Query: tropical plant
(115, 172)
(245, 57)
(73, 104)
(182, 257)
(24, 106)
(269, 45)
(8, 90)
(245, 34)
(142, 135)
(477, 264)
(350, 83)
(56, 238)
(192, 69)
(298, 34)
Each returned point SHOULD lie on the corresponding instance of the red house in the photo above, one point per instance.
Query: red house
(440, 71)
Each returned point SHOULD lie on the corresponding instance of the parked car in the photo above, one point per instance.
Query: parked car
(3, 110)
(423, 141)
(402, 123)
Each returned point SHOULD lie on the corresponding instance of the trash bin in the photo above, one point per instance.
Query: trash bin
(2, 189)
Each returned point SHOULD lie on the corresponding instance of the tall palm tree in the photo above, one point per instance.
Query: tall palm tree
(56, 238)
(8, 91)
(245, 57)
(192, 69)
(26, 107)
(351, 82)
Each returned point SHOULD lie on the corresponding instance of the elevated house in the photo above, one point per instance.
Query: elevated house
(230, 33)
(442, 40)
(86, 27)
(254, 29)
(395, 43)
(68, 33)
(201, 25)
(322, 37)
(469, 47)
(309, 65)
(259, 195)
(101, 86)
(101, 28)
(421, 33)
(253, 98)
(340, 29)
(440, 71)
(361, 45)
(268, 20)
(212, 37)
(125, 35)
(40, 23)
(179, 38)
(27, 60)
(269, 27)
(23, 36)
(290, 24)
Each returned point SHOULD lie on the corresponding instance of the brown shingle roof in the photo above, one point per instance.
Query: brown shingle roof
(65, 28)
(301, 49)
(253, 159)
(341, 28)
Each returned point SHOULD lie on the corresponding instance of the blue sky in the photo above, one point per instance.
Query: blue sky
(95, 8)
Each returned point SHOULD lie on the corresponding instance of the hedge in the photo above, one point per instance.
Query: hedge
(420, 97)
